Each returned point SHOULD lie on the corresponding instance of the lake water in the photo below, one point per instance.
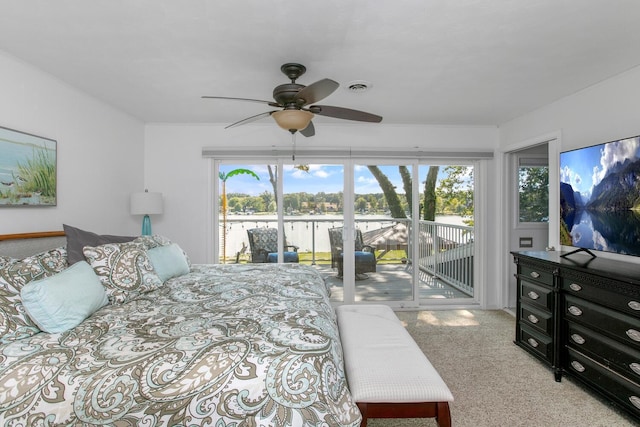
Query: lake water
(606, 231)
(307, 231)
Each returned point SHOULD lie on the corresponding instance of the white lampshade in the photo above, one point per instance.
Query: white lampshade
(292, 119)
(146, 203)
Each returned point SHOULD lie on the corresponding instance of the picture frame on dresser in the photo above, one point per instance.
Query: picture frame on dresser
(28, 169)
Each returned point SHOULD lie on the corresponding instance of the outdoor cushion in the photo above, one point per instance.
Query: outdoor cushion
(288, 257)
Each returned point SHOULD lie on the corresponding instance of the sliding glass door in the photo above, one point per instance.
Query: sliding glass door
(383, 229)
(400, 233)
(313, 206)
(446, 242)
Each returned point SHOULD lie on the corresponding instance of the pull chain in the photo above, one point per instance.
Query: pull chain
(293, 138)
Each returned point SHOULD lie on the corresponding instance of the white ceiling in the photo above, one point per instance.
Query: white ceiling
(469, 62)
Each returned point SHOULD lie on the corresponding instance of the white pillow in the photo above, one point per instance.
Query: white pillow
(168, 261)
(61, 302)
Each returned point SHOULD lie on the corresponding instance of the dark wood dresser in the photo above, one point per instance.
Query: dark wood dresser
(581, 316)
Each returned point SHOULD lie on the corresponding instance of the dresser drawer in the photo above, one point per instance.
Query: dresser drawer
(536, 343)
(620, 390)
(541, 321)
(618, 295)
(611, 323)
(540, 275)
(534, 294)
(612, 354)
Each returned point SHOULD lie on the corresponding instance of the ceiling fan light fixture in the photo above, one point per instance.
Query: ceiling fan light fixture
(292, 119)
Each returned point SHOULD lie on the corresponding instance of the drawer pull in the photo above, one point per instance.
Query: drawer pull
(635, 367)
(575, 287)
(577, 339)
(634, 305)
(533, 319)
(575, 311)
(533, 295)
(577, 366)
(633, 334)
(532, 342)
(635, 401)
(534, 274)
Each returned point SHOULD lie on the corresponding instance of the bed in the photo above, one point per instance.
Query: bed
(220, 345)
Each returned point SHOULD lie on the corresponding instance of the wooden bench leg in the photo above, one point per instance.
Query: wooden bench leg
(363, 410)
(443, 416)
(438, 410)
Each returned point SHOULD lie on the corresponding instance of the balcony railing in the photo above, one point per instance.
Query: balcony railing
(445, 251)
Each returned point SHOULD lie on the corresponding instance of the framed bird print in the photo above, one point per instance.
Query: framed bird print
(28, 169)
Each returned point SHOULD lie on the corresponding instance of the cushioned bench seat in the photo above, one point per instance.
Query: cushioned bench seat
(388, 375)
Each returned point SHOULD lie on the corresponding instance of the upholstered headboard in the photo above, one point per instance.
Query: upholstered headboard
(25, 244)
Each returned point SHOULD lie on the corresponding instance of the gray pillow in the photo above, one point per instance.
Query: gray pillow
(77, 239)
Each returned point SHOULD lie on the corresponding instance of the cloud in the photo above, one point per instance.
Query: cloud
(569, 176)
(613, 153)
(366, 180)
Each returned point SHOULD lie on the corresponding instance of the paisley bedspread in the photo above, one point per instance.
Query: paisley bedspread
(224, 346)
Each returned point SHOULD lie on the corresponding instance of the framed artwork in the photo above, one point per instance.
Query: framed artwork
(28, 169)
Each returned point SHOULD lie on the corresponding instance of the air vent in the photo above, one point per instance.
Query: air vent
(358, 86)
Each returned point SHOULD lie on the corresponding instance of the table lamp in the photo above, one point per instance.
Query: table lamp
(146, 204)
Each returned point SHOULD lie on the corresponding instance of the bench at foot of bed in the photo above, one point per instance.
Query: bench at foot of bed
(388, 375)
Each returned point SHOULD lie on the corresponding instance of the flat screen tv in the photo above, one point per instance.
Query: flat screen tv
(600, 197)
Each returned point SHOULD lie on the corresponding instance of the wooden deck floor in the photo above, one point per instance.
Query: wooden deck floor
(390, 282)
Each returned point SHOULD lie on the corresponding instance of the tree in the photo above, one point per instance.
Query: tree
(273, 179)
(223, 178)
(429, 203)
(395, 206)
(533, 194)
(373, 202)
(268, 198)
(361, 204)
(456, 191)
(408, 185)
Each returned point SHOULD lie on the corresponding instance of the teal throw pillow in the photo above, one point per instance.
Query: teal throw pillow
(61, 302)
(168, 261)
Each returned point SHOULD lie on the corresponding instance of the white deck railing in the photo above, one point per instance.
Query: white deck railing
(445, 251)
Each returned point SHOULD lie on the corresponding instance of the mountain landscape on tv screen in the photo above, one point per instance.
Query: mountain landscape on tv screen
(607, 219)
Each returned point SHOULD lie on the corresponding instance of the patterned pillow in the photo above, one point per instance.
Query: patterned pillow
(14, 321)
(124, 269)
(150, 242)
(4, 260)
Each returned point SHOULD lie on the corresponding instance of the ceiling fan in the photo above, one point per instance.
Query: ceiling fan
(293, 99)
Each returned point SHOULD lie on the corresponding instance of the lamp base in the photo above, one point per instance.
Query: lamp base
(146, 226)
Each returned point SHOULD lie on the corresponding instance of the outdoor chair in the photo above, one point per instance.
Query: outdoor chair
(365, 257)
(263, 243)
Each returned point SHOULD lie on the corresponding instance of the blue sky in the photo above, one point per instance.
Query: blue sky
(585, 167)
(321, 177)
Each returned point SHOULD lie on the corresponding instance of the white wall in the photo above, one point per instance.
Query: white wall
(174, 164)
(100, 153)
(601, 113)
(604, 112)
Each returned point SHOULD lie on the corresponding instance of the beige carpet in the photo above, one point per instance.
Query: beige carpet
(494, 382)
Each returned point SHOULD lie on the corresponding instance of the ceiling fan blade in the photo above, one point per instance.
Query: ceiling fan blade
(344, 113)
(316, 91)
(310, 130)
(273, 104)
(250, 119)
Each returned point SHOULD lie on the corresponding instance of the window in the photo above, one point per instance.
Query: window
(533, 190)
